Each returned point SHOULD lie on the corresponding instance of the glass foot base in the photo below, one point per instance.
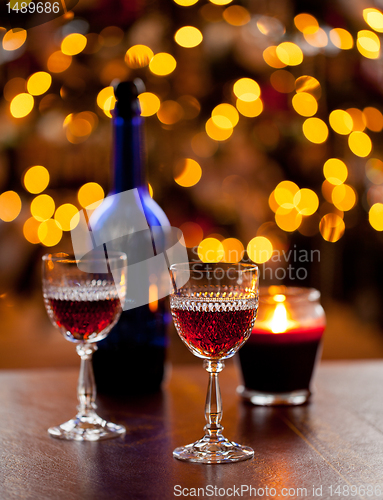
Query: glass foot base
(87, 428)
(206, 451)
(259, 398)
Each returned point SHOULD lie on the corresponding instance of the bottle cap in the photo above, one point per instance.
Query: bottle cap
(126, 93)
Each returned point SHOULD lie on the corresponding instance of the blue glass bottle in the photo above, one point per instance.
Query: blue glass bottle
(131, 359)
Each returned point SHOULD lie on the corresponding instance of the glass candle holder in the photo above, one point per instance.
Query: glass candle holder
(279, 358)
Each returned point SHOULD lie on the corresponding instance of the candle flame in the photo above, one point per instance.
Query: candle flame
(279, 321)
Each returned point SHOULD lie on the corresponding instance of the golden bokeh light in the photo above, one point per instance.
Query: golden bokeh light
(341, 38)
(90, 195)
(335, 171)
(188, 37)
(306, 23)
(310, 85)
(13, 40)
(271, 58)
(273, 204)
(227, 111)
(42, 207)
(343, 197)
(374, 18)
(138, 56)
(58, 62)
(188, 172)
(39, 83)
(306, 201)
(250, 109)
(315, 130)
(260, 249)
(30, 230)
(288, 219)
(106, 100)
(327, 189)
(73, 44)
(360, 144)
(170, 112)
(78, 127)
(331, 227)
(284, 194)
(149, 103)
(67, 216)
(49, 233)
(374, 170)
(246, 89)
(217, 133)
(234, 250)
(304, 103)
(36, 179)
(375, 216)
(210, 250)
(374, 119)
(220, 2)
(318, 39)
(368, 44)
(10, 206)
(283, 81)
(192, 232)
(162, 64)
(236, 15)
(358, 119)
(341, 121)
(21, 105)
(289, 53)
(185, 3)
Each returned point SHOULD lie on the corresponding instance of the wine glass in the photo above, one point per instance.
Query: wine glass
(83, 299)
(214, 307)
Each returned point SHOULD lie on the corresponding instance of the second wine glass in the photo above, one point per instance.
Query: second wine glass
(214, 307)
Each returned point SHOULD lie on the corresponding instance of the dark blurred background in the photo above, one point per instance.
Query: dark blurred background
(264, 127)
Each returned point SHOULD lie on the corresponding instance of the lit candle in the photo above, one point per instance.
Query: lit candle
(278, 359)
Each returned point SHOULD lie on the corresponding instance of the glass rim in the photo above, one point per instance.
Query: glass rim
(292, 293)
(188, 266)
(66, 258)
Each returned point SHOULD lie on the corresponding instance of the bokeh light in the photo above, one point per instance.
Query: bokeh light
(39, 83)
(315, 130)
(13, 40)
(36, 179)
(138, 56)
(236, 15)
(227, 111)
(343, 197)
(260, 249)
(217, 133)
(188, 37)
(30, 230)
(220, 2)
(73, 44)
(10, 206)
(58, 62)
(187, 172)
(246, 89)
(341, 38)
(331, 227)
(185, 3)
(368, 44)
(210, 250)
(106, 100)
(21, 105)
(374, 119)
(284, 194)
(335, 171)
(42, 207)
(341, 121)
(310, 85)
(250, 109)
(288, 219)
(304, 103)
(306, 23)
(374, 18)
(90, 195)
(49, 233)
(375, 216)
(162, 64)
(170, 112)
(67, 216)
(359, 121)
(271, 58)
(306, 201)
(233, 250)
(149, 103)
(192, 232)
(289, 53)
(318, 39)
(360, 144)
(283, 81)
(374, 170)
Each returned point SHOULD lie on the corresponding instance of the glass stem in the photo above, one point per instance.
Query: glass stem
(213, 405)
(86, 388)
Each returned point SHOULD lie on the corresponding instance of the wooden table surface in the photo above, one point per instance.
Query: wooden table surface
(330, 448)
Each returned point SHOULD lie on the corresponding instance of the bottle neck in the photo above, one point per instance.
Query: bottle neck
(129, 154)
